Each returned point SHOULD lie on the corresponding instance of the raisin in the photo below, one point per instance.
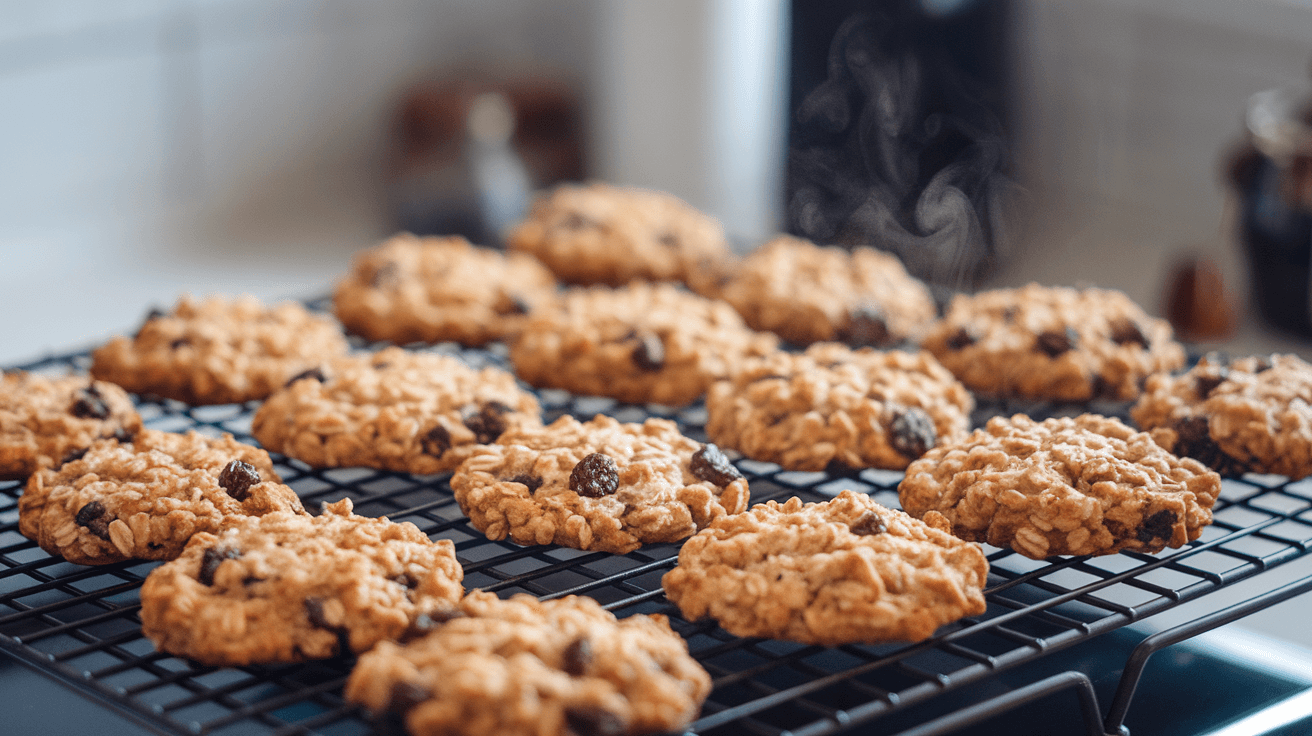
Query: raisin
(1263, 365)
(404, 696)
(1205, 384)
(1195, 441)
(431, 621)
(961, 339)
(406, 580)
(237, 477)
(90, 404)
(154, 314)
(314, 611)
(711, 465)
(532, 482)
(1126, 331)
(866, 325)
(316, 373)
(575, 221)
(178, 343)
(210, 561)
(488, 423)
(74, 455)
(1160, 525)
(437, 441)
(590, 721)
(595, 476)
(577, 657)
(869, 524)
(92, 516)
(912, 433)
(513, 304)
(649, 353)
(385, 275)
(1054, 342)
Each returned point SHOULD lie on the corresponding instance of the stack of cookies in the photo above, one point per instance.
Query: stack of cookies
(808, 357)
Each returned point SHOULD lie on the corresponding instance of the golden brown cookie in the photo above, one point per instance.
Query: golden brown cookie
(1247, 415)
(807, 293)
(394, 409)
(521, 667)
(411, 289)
(45, 422)
(843, 571)
(601, 234)
(644, 343)
(145, 498)
(597, 485)
(287, 587)
(218, 350)
(861, 408)
(1087, 485)
(1053, 343)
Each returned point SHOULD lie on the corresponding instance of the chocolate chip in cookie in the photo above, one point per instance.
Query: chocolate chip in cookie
(712, 465)
(595, 476)
(1206, 384)
(237, 477)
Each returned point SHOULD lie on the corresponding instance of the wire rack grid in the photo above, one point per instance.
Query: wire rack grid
(79, 625)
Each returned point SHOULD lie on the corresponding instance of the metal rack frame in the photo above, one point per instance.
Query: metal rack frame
(79, 624)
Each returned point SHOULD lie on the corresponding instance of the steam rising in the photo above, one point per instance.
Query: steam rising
(894, 150)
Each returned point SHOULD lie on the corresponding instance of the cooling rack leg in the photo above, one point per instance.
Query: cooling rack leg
(1114, 725)
(1003, 703)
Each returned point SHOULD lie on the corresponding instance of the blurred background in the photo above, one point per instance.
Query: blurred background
(150, 147)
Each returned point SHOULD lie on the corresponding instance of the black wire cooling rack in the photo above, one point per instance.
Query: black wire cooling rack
(79, 625)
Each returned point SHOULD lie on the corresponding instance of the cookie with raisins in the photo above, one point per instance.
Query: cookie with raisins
(644, 343)
(411, 289)
(1053, 343)
(218, 350)
(289, 587)
(46, 421)
(831, 404)
(807, 293)
(842, 571)
(523, 667)
(601, 234)
(145, 497)
(395, 409)
(597, 485)
(1087, 485)
(1250, 414)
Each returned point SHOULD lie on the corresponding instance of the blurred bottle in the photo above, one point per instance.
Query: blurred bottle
(1272, 173)
(467, 156)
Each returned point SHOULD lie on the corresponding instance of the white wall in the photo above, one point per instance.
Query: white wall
(1126, 108)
